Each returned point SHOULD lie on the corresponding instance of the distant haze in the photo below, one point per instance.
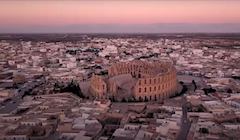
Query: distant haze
(133, 28)
(126, 16)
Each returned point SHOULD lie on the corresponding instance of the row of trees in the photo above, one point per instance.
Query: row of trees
(151, 55)
(211, 90)
(72, 88)
(130, 100)
(27, 93)
(184, 90)
(74, 52)
(208, 90)
(113, 99)
(195, 86)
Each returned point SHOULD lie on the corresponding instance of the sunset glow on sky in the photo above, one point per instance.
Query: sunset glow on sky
(124, 12)
(59, 13)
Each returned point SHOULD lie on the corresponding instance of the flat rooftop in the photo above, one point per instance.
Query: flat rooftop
(124, 133)
(236, 100)
(21, 130)
(175, 102)
(119, 107)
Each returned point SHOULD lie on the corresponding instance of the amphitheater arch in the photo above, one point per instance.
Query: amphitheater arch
(154, 81)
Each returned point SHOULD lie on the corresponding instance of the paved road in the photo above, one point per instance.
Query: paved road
(186, 124)
(12, 104)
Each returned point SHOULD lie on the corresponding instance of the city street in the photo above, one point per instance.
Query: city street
(186, 124)
(12, 104)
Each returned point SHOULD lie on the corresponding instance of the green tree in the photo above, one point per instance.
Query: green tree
(149, 115)
(200, 109)
(123, 100)
(113, 99)
(181, 82)
(229, 91)
(195, 86)
(75, 89)
(15, 86)
(204, 130)
(56, 85)
(208, 90)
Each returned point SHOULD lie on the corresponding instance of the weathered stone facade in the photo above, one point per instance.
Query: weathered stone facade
(97, 86)
(154, 81)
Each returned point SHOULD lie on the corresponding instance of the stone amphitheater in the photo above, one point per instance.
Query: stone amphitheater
(138, 80)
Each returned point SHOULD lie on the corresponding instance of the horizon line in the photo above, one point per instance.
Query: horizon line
(127, 33)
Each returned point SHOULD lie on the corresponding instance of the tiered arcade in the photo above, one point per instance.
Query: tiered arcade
(152, 81)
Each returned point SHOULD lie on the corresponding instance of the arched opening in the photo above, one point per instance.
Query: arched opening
(150, 98)
(155, 97)
(146, 99)
(139, 75)
(140, 98)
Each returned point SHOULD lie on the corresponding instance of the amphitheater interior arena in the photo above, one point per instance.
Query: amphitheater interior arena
(138, 80)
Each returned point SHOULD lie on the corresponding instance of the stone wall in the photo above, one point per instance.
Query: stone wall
(155, 81)
(97, 86)
(156, 88)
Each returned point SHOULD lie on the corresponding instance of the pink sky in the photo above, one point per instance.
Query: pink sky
(121, 12)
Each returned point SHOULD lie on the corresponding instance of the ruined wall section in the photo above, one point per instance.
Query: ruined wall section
(155, 81)
(98, 86)
(157, 88)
